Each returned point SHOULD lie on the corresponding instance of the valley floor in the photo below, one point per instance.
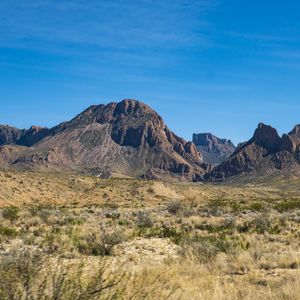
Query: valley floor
(66, 236)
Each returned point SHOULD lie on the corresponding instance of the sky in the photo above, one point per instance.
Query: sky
(219, 66)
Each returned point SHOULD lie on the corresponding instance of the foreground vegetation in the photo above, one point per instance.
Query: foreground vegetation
(78, 237)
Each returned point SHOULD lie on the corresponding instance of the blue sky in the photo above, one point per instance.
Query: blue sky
(220, 66)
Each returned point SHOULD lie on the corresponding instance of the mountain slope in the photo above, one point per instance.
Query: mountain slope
(213, 149)
(127, 138)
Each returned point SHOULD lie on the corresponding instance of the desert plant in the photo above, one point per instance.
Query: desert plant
(174, 207)
(9, 232)
(33, 276)
(261, 224)
(10, 213)
(98, 244)
(144, 220)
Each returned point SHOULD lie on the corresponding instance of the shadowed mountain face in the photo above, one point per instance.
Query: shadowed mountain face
(128, 138)
(9, 135)
(265, 154)
(213, 149)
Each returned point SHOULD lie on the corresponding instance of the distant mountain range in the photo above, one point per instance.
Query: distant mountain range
(213, 149)
(130, 139)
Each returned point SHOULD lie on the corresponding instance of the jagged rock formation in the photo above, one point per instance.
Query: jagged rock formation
(128, 138)
(213, 149)
(291, 141)
(266, 153)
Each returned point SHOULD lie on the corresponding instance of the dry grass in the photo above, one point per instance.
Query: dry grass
(146, 239)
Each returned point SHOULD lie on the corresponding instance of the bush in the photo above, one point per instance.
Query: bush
(98, 245)
(25, 275)
(285, 205)
(9, 232)
(144, 220)
(257, 206)
(217, 206)
(206, 248)
(261, 224)
(174, 207)
(228, 225)
(10, 213)
(172, 233)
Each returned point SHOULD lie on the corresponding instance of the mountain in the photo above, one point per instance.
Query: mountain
(265, 154)
(11, 135)
(213, 149)
(127, 138)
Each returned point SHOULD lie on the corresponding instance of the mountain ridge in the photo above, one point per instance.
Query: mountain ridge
(131, 139)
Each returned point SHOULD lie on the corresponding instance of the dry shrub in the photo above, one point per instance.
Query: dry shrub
(27, 275)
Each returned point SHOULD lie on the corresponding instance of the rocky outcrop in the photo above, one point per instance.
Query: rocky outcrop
(213, 149)
(266, 137)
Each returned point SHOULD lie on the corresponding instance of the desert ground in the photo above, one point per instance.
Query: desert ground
(70, 236)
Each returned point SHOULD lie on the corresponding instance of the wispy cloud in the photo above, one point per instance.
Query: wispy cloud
(117, 24)
(136, 33)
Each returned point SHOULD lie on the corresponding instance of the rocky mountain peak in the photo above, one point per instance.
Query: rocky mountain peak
(267, 137)
(131, 107)
(296, 130)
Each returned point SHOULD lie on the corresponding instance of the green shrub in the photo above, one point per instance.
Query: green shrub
(285, 205)
(257, 206)
(172, 233)
(98, 245)
(9, 232)
(217, 206)
(10, 213)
